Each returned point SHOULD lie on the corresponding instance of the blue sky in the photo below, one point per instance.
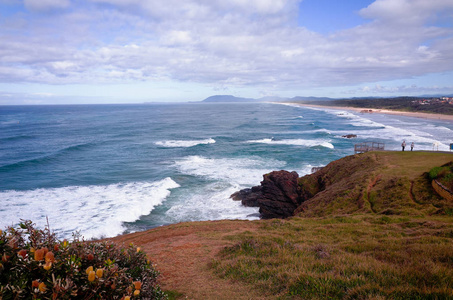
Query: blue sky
(126, 51)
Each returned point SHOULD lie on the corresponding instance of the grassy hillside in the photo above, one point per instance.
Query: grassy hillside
(373, 230)
(392, 183)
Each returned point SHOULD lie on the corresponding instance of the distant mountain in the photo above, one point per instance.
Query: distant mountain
(228, 98)
(299, 98)
(436, 96)
(272, 99)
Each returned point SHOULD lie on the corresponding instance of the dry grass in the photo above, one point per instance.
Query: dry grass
(357, 257)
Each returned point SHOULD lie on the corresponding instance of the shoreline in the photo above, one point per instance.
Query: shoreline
(421, 115)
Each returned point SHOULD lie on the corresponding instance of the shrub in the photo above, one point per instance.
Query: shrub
(443, 174)
(36, 265)
(434, 172)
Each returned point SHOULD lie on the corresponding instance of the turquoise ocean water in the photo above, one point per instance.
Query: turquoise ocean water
(108, 169)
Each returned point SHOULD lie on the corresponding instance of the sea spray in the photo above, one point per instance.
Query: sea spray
(95, 211)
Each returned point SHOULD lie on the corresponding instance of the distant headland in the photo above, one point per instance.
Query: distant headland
(434, 104)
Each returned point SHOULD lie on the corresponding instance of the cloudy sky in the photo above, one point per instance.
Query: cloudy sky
(98, 51)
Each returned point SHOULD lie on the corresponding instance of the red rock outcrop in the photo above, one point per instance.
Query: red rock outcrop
(277, 197)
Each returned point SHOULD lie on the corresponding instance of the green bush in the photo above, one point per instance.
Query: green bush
(434, 172)
(36, 265)
(443, 174)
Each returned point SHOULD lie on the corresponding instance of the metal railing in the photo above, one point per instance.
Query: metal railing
(368, 146)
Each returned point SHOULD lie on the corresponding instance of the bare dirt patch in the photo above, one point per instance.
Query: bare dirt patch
(182, 254)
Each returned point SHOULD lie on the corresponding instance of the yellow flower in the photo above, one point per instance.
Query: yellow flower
(47, 266)
(42, 287)
(65, 243)
(89, 269)
(127, 298)
(50, 257)
(139, 249)
(22, 253)
(91, 276)
(99, 273)
(136, 293)
(39, 254)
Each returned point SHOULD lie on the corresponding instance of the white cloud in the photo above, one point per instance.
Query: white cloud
(46, 5)
(177, 37)
(221, 43)
(406, 11)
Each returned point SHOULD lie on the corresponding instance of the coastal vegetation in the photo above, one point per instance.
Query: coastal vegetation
(439, 105)
(36, 265)
(443, 174)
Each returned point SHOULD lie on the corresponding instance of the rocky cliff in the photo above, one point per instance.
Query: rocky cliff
(277, 197)
(365, 183)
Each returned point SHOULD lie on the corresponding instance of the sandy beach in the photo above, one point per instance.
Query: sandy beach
(385, 111)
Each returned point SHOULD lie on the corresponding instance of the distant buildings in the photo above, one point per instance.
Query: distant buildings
(430, 101)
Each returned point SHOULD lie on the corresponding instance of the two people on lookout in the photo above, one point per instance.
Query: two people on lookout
(403, 145)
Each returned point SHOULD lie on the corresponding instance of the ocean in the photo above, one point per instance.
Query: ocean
(104, 170)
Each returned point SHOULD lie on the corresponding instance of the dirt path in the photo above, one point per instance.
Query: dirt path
(182, 254)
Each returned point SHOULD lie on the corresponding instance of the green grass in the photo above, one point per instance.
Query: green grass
(173, 295)
(354, 257)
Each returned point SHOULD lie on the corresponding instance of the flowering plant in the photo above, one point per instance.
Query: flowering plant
(36, 265)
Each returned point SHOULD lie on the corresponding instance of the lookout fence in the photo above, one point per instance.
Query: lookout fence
(368, 146)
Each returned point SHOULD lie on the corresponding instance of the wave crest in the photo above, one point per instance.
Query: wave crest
(95, 211)
(294, 142)
(184, 144)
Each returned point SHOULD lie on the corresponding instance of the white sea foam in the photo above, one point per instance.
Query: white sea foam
(245, 171)
(212, 202)
(442, 128)
(184, 144)
(305, 170)
(422, 140)
(228, 175)
(424, 137)
(95, 211)
(356, 120)
(294, 142)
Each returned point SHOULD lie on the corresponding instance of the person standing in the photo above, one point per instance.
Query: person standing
(412, 146)
(403, 145)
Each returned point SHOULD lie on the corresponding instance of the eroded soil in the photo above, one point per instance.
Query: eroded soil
(182, 255)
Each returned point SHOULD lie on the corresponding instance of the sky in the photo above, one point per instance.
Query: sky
(132, 51)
